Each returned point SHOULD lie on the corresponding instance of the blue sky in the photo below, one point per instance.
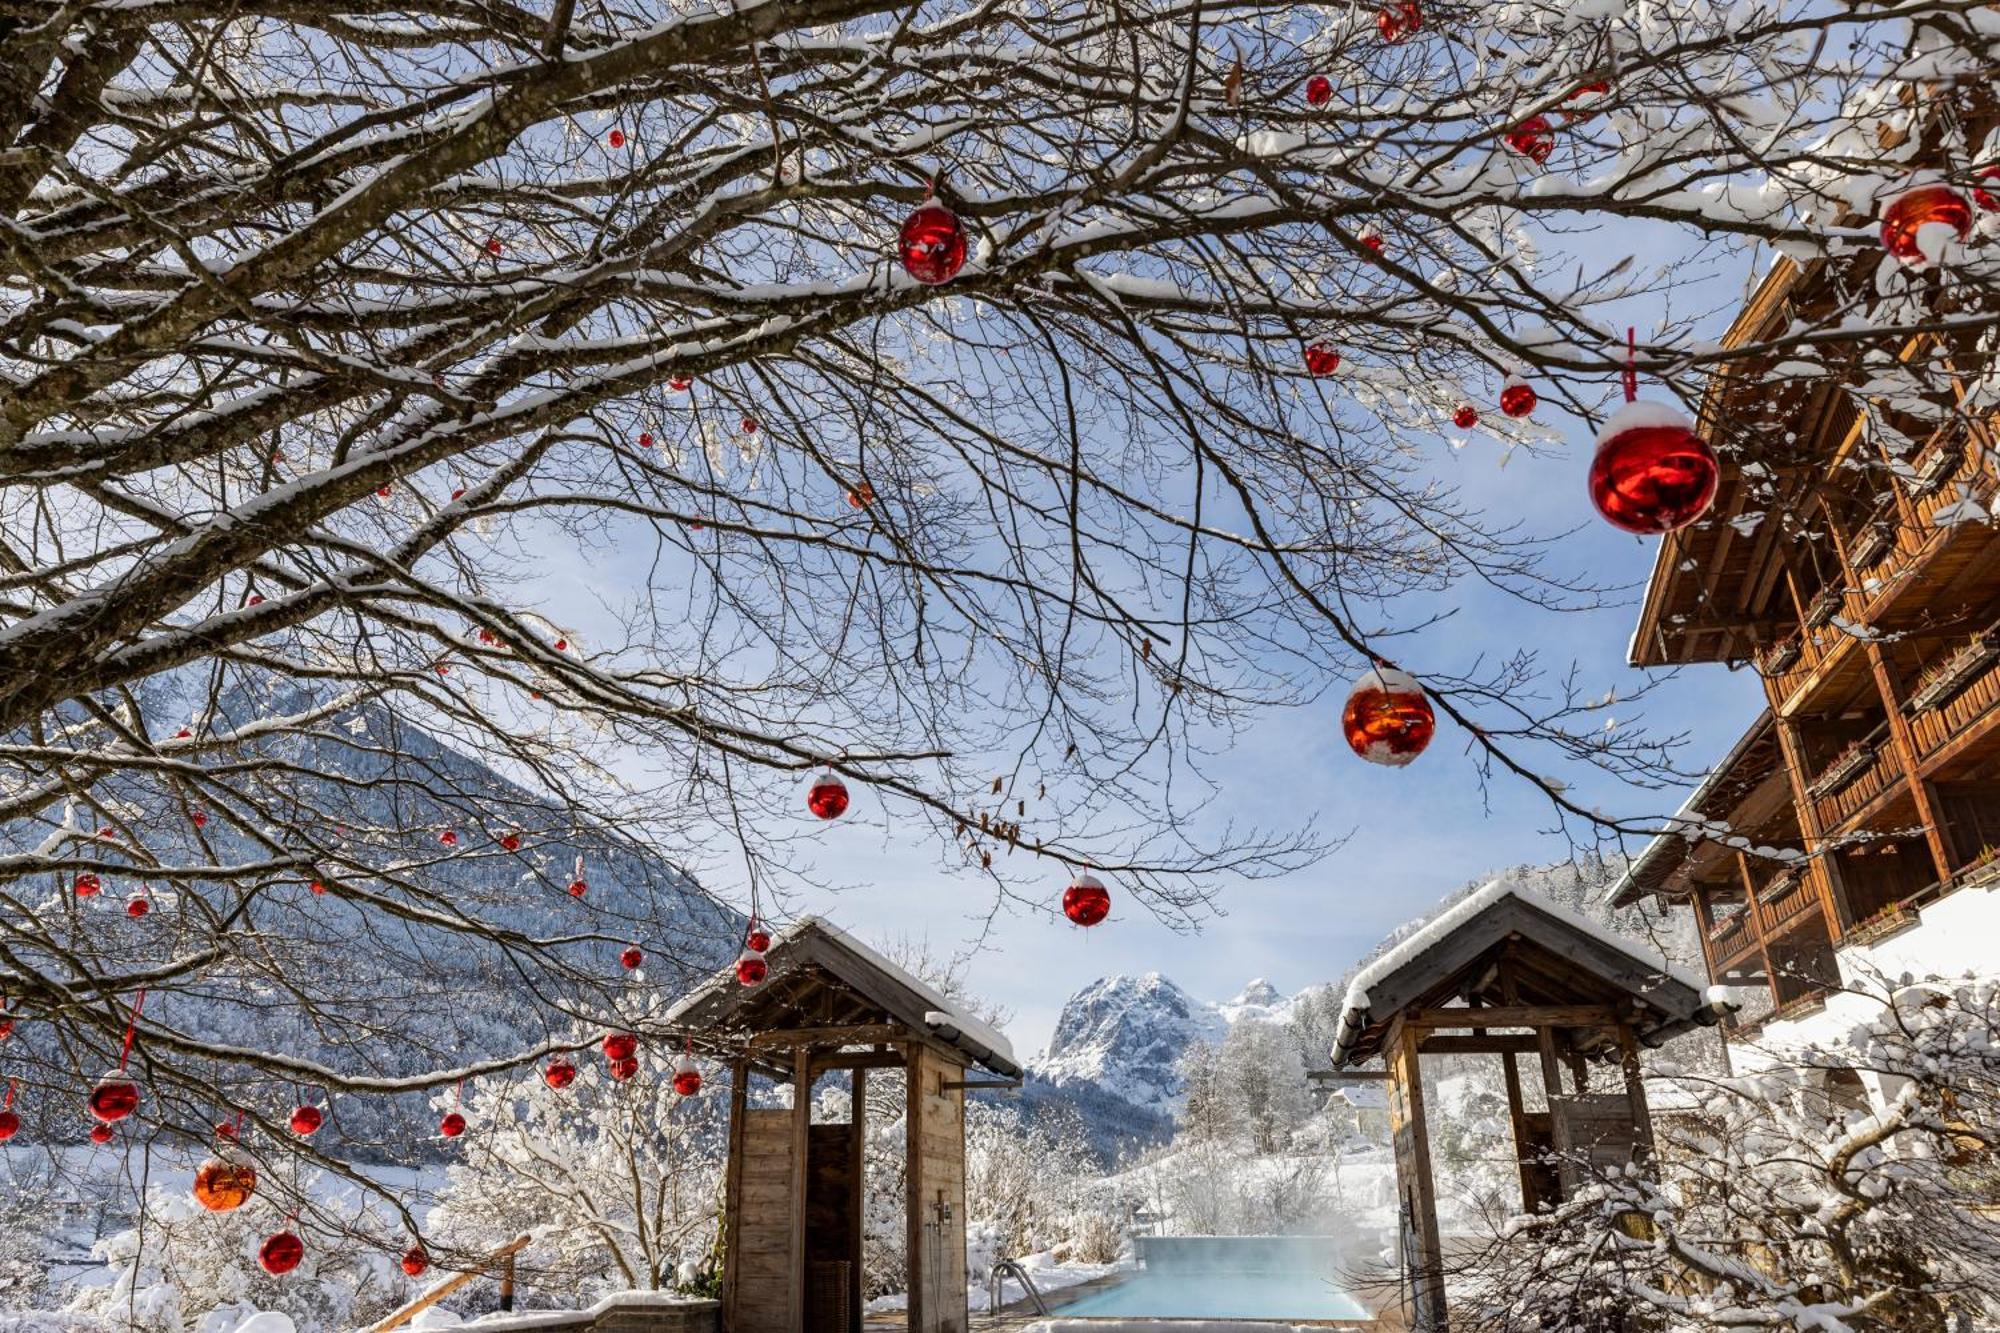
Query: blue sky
(1417, 833)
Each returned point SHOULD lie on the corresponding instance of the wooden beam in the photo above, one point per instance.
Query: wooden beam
(802, 1081)
(732, 1188)
(1411, 1134)
(1635, 1094)
(913, 1187)
(1552, 1081)
(858, 1201)
(857, 1060)
(1516, 1044)
(851, 1034)
(1515, 1016)
(1517, 1118)
(505, 1254)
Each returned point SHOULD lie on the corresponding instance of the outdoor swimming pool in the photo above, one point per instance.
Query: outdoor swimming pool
(1267, 1296)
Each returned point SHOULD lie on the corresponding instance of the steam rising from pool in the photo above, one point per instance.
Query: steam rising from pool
(1274, 1279)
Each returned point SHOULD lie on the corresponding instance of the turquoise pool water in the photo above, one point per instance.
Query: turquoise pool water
(1211, 1295)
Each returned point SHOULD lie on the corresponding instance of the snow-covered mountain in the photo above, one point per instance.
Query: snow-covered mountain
(1124, 1035)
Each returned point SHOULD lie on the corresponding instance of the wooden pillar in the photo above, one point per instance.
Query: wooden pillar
(1517, 1117)
(1552, 1082)
(802, 1104)
(1936, 836)
(1635, 1095)
(1826, 873)
(1423, 1257)
(860, 1187)
(732, 1190)
(913, 1182)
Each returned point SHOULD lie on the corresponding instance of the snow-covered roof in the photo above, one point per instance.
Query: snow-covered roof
(1371, 1096)
(814, 940)
(1672, 990)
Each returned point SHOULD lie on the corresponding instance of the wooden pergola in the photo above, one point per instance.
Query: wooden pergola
(1506, 973)
(792, 1213)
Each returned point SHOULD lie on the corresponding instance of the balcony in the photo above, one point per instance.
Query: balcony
(1853, 779)
(1731, 942)
(1955, 693)
(1785, 901)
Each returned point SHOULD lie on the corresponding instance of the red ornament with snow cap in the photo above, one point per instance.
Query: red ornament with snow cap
(1397, 21)
(1466, 417)
(631, 958)
(1321, 360)
(415, 1262)
(1652, 473)
(1517, 397)
(138, 905)
(88, 885)
(559, 1073)
(1388, 718)
(620, 1045)
(1918, 223)
(114, 1097)
(751, 969)
(1086, 901)
(757, 939)
(932, 244)
(687, 1077)
(1534, 139)
(828, 797)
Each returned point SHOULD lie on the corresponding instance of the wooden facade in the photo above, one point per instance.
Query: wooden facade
(1832, 564)
(794, 1190)
(1514, 978)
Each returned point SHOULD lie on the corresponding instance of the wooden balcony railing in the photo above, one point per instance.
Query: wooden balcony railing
(1857, 776)
(1960, 691)
(1784, 901)
(1729, 939)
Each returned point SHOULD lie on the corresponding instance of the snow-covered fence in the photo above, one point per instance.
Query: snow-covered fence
(622, 1312)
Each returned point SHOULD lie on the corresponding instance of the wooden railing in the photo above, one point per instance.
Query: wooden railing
(501, 1259)
(1871, 777)
(1785, 900)
(1932, 727)
(1729, 939)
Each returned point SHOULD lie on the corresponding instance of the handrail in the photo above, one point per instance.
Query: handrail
(504, 1256)
(1011, 1267)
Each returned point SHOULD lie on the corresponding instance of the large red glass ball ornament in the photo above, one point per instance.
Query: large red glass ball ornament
(113, 1098)
(1319, 90)
(1321, 360)
(1534, 139)
(828, 797)
(1388, 719)
(758, 938)
(620, 1045)
(687, 1077)
(1086, 901)
(616, 138)
(452, 1125)
(932, 244)
(10, 1125)
(1917, 223)
(559, 1073)
(1652, 473)
(223, 1186)
(631, 958)
(415, 1261)
(1397, 21)
(751, 969)
(100, 1133)
(88, 885)
(1466, 417)
(306, 1120)
(1517, 397)
(620, 1070)
(280, 1254)
(138, 905)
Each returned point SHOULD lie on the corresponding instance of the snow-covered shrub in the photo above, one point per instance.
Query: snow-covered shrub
(1849, 1186)
(619, 1182)
(182, 1269)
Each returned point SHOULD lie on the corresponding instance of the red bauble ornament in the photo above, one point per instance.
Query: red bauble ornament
(10, 1125)
(226, 1130)
(493, 246)
(559, 1073)
(1985, 198)
(87, 885)
(448, 838)
(114, 1097)
(1388, 719)
(616, 138)
(1319, 90)
(280, 1254)
(1321, 360)
(932, 244)
(100, 1133)
(223, 1186)
(1652, 473)
(645, 439)
(687, 1077)
(631, 958)
(318, 887)
(751, 969)
(578, 887)
(620, 1070)
(452, 1125)
(861, 496)
(1917, 223)
(680, 383)
(1517, 397)
(1086, 901)
(183, 733)
(415, 1261)
(510, 842)
(758, 938)
(828, 797)
(458, 493)
(620, 1045)
(138, 905)
(1396, 22)
(1534, 139)
(306, 1120)
(1587, 90)
(1371, 238)
(561, 645)
(200, 819)
(1466, 417)
(383, 491)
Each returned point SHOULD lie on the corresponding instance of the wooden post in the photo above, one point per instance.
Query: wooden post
(1635, 1095)
(913, 1182)
(1423, 1257)
(732, 1189)
(1936, 835)
(801, 1138)
(1517, 1118)
(1552, 1081)
(860, 1187)
(507, 1284)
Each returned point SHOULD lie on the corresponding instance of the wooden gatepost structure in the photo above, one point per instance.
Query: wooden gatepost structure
(794, 1189)
(1505, 972)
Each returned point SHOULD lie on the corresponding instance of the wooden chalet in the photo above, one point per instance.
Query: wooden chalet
(1850, 559)
(1503, 972)
(792, 1212)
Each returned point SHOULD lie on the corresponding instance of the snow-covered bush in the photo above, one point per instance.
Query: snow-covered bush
(182, 1269)
(620, 1183)
(1848, 1186)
